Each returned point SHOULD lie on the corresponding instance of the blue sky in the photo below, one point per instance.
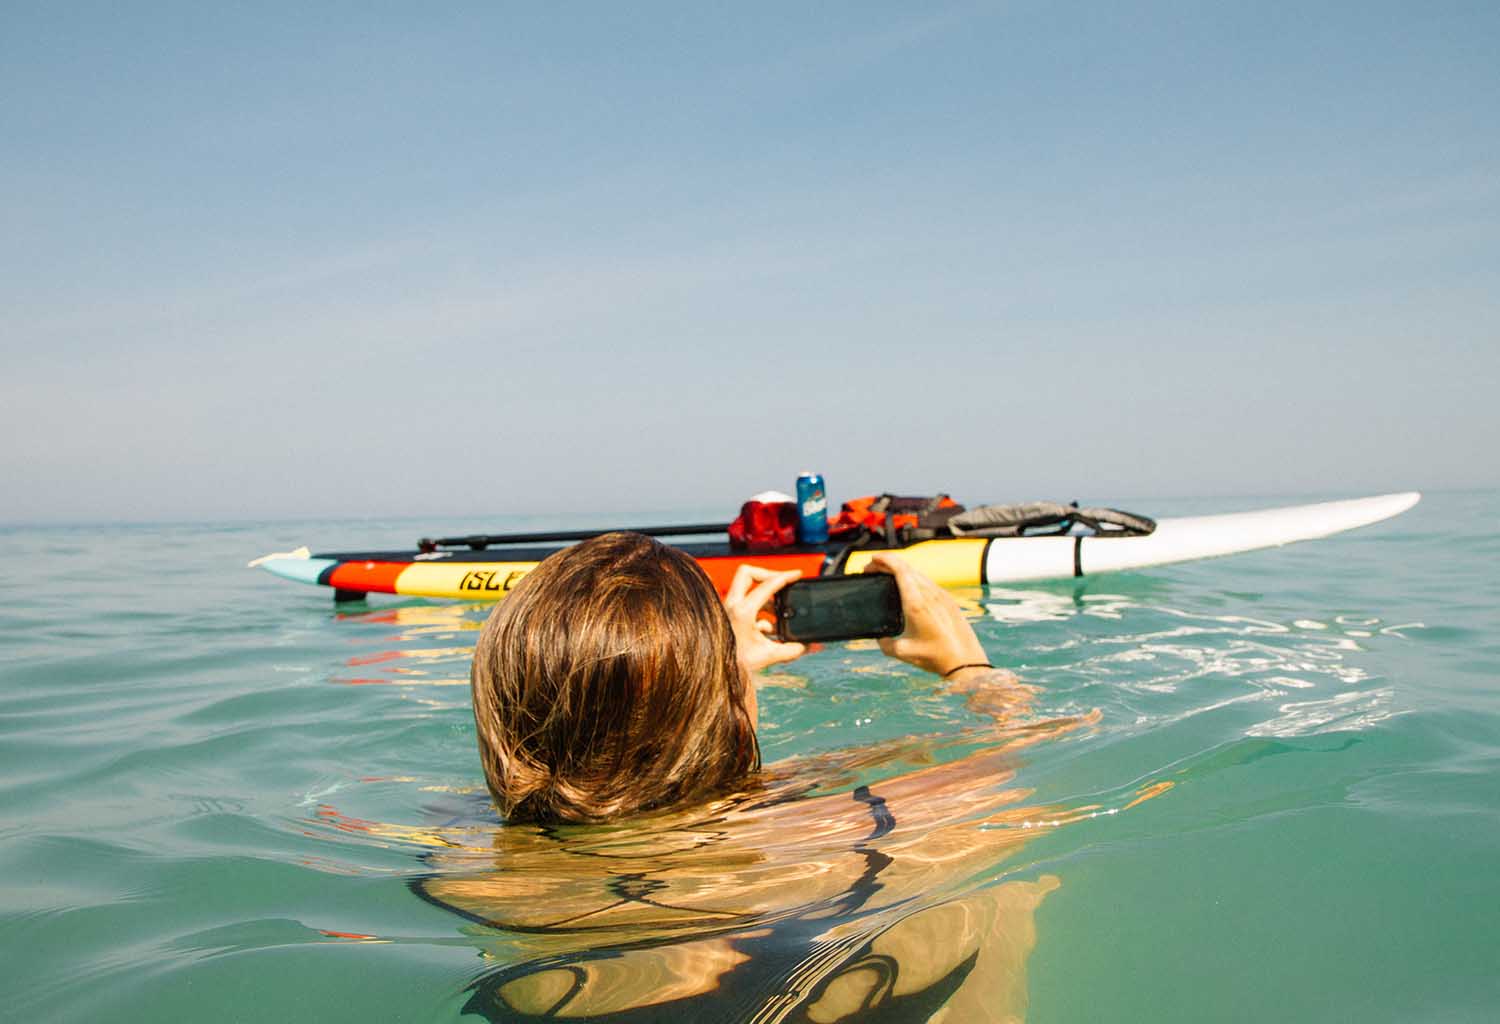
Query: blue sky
(298, 260)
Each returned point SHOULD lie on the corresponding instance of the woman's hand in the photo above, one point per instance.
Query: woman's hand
(749, 592)
(937, 638)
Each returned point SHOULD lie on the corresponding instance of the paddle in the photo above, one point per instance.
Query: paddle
(480, 541)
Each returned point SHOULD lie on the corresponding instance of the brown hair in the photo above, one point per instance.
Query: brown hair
(607, 683)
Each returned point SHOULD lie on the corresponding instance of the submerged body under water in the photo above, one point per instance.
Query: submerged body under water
(800, 900)
(1263, 785)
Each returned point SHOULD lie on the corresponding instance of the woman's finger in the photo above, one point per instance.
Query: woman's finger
(758, 597)
(895, 646)
(744, 576)
(908, 580)
(780, 652)
(739, 584)
(891, 563)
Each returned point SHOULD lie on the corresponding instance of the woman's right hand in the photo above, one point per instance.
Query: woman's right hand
(750, 591)
(937, 638)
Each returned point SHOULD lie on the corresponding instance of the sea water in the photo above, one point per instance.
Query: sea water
(221, 796)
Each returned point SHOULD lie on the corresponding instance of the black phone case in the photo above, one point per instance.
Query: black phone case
(827, 608)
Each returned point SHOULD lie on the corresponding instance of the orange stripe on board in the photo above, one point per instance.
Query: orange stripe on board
(721, 570)
(376, 577)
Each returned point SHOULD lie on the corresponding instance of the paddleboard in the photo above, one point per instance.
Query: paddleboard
(489, 574)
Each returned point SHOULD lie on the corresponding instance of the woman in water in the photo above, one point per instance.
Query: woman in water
(612, 680)
(650, 869)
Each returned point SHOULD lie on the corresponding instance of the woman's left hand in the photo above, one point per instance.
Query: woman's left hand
(749, 593)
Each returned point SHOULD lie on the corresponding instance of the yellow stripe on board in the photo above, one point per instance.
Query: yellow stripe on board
(473, 581)
(954, 562)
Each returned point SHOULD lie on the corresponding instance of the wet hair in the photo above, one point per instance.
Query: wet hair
(607, 683)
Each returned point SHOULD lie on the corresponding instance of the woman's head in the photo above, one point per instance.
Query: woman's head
(607, 683)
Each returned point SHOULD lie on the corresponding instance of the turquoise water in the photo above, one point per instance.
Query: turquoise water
(223, 798)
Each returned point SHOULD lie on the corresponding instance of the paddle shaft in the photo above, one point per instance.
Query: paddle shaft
(480, 541)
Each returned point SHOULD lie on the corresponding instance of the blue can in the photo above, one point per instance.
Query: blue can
(812, 509)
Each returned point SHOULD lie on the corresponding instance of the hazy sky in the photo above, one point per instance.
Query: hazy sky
(282, 260)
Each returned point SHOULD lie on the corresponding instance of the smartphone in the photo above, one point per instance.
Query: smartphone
(839, 608)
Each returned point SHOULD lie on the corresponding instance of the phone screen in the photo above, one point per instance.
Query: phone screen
(840, 608)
